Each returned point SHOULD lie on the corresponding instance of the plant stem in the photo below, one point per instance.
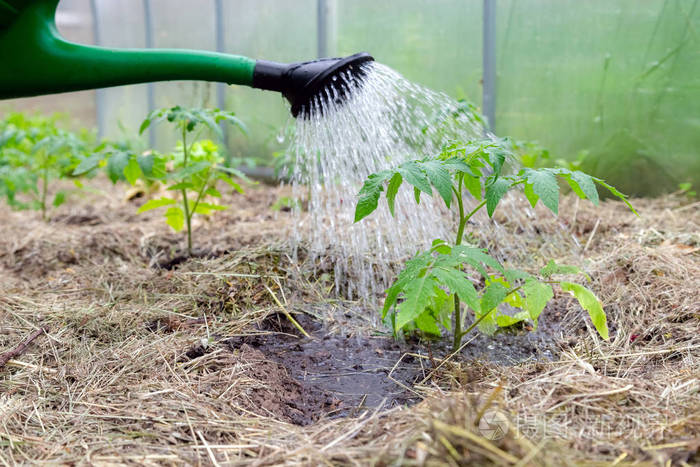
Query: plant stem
(481, 318)
(463, 219)
(458, 241)
(188, 216)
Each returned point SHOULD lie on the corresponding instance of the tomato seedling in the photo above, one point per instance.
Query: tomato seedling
(192, 170)
(33, 152)
(434, 284)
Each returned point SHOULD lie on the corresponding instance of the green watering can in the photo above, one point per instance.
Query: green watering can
(36, 60)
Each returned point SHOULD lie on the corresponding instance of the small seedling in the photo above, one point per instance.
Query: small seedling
(432, 287)
(33, 152)
(194, 168)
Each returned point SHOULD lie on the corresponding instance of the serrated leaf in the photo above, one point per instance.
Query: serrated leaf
(418, 293)
(88, 164)
(181, 186)
(412, 173)
(531, 195)
(553, 268)
(208, 207)
(116, 164)
(369, 195)
(591, 304)
(412, 270)
(441, 179)
(494, 294)
(473, 185)
(473, 256)
(190, 170)
(544, 184)
(617, 193)
(132, 171)
(427, 323)
(156, 203)
(537, 295)
(175, 218)
(505, 321)
(392, 190)
(585, 184)
(458, 282)
(494, 193)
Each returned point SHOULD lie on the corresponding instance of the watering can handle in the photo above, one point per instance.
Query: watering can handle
(37, 60)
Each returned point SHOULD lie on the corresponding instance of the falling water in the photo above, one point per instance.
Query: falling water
(386, 120)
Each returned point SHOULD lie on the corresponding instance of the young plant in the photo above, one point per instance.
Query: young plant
(435, 283)
(194, 168)
(34, 151)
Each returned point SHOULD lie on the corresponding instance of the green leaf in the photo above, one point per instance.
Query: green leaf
(473, 185)
(412, 173)
(474, 256)
(145, 124)
(392, 190)
(132, 171)
(418, 294)
(531, 195)
(369, 194)
(190, 170)
(413, 269)
(116, 164)
(615, 192)
(537, 295)
(553, 268)
(544, 184)
(175, 218)
(416, 195)
(494, 294)
(494, 193)
(584, 183)
(213, 192)
(206, 208)
(591, 304)
(440, 178)
(181, 186)
(88, 164)
(59, 199)
(156, 203)
(458, 282)
(505, 321)
(427, 323)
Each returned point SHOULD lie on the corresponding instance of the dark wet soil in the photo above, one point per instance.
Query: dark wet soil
(345, 374)
(351, 374)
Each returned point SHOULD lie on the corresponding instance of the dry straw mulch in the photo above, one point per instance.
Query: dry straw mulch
(132, 369)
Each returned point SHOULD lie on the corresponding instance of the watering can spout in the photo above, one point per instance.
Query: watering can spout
(37, 60)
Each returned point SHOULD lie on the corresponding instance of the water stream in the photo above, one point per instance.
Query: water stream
(387, 120)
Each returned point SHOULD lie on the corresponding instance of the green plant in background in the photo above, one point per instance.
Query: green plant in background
(192, 170)
(433, 285)
(33, 152)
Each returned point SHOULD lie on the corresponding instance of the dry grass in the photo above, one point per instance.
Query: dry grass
(110, 382)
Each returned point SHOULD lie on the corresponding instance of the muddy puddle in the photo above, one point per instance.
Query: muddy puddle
(346, 374)
(351, 373)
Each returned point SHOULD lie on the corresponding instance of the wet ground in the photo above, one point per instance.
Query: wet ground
(341, 375)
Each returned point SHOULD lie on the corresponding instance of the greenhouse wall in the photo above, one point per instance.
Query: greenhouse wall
(614, 83)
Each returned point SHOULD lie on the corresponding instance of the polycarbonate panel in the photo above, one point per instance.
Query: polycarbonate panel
(122, 26)
(436, 43)
(277, 30)
(619, 79)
